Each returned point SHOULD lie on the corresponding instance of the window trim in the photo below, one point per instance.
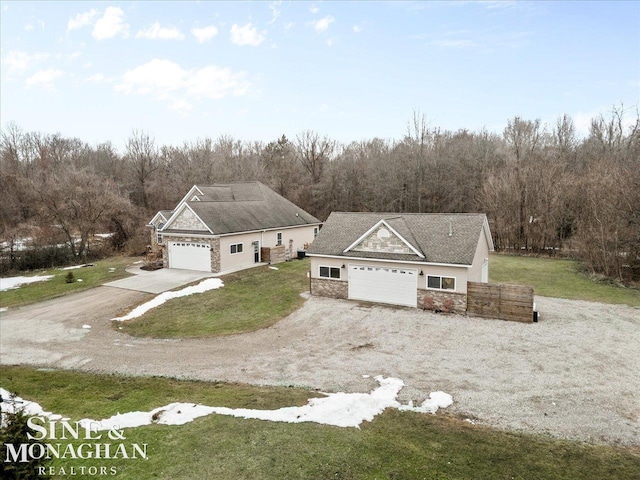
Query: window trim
(241, 244)
(441, 277)
(159, 238)
(330, 277)
(278, 239)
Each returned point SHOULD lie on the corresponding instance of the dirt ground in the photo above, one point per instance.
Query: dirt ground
(574, 374)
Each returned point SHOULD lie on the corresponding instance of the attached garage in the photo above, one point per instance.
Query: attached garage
(190, 256)
(397, 286)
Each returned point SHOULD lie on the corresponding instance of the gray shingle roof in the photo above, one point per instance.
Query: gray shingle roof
(242, 207)
(428, 233)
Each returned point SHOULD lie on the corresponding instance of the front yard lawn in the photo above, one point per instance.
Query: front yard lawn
(250, 299)
(552, 277)
(395, 444)
(100, 273)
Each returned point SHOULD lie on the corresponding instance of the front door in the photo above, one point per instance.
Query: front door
(256, 252)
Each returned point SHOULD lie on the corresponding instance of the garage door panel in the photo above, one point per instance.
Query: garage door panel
(190, 256)
(397, 286)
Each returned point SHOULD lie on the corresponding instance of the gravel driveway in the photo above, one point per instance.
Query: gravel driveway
(574, 374)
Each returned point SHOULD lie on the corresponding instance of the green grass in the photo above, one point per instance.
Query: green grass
(250, 299)
(559, 278)
(57, 286)
(398, 445)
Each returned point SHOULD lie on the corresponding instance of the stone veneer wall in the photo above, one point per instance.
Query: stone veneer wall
(215, 255)
(329, 288)
(442, 300)
(187, 221)
(387, 244)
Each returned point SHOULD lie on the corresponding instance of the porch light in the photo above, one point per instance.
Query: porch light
(343, 266)
(421, 273)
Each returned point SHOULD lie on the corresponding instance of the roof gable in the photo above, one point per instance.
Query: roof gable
(185, 218)
(383, 238)
(439, 238)
(237, 207)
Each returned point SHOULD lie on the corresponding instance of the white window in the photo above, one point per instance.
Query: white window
(236, 248)
(315, 232)
(278, 239)
(330, 272)
(441, 283)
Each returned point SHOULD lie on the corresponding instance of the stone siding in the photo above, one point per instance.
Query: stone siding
(383, 240)
(450, 302)
(329, 288)
(187, 220)
(215, 255)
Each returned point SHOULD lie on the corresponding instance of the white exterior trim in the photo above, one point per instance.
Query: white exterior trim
(178, 211)
(150, 224)
(268, 229)
(382, 222)
(412, 262)
(330, 277)
(188, 195)
(190, 235)
(487, 233)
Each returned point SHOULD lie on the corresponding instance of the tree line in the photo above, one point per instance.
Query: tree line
(544, 188)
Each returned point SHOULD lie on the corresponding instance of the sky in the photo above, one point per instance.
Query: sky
(181, 71)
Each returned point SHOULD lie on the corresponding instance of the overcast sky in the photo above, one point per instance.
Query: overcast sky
(257, 70)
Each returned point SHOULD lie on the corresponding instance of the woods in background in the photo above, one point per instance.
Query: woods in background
(545, 189)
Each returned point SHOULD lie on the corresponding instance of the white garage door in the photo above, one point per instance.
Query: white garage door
(190, 256)
(398, 286)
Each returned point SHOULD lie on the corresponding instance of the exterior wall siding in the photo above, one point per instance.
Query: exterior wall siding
(459, 273)
(441, 300)
(187, 220)
(323, 287)
(430, 299)
(482, 253)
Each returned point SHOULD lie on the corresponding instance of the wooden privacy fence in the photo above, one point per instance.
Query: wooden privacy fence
(507, 302)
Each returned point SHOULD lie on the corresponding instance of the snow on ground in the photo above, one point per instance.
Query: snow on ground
(11, 283)
(77, 266)
(337, 409)
(3, 309)
(10, 404)
(205, 285)
(274, 268)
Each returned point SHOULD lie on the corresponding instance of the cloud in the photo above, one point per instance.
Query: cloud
(110, 24)
(322, 24)
(98, 78)
(44, 78)
(156, 32)
(357, 29)
(168, 81)
(246, 35)
(204, 34)
(275, 11)
(82, 20)
(313, 9)
(28, 27)
(16, 61)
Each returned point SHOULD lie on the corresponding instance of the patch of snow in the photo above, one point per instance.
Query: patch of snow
(103, 235)
(274, 268)
(136, 263)
(204, 286)
(77, 266)
(366, 376)
(3, 309)
(79, 280)
(112, 269)
(86, 326)
(337, 409)
(12, 404)
(11, 283)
